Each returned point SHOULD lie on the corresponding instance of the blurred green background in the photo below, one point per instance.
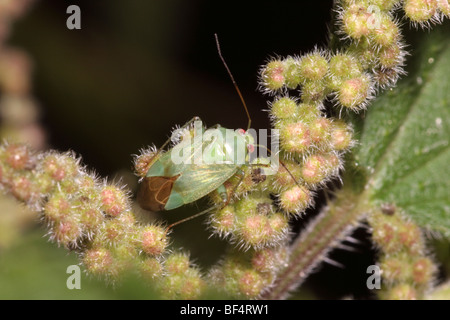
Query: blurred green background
(122, 82)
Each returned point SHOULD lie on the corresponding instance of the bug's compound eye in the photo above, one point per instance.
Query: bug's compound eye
(251, 148)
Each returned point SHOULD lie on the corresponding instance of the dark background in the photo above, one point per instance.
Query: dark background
(138, 68)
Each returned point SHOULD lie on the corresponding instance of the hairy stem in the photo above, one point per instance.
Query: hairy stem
(325, 232)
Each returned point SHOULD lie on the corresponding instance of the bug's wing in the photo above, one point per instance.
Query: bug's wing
(154, 192)
(201, 180)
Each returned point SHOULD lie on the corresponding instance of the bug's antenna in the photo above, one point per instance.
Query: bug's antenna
(232, 80)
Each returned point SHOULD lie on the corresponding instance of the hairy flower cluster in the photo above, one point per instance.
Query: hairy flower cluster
(407, 270)
(94, 219)
(247, 274)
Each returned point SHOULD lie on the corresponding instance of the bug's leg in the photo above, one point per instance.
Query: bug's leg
(225, 194)
(192, 217)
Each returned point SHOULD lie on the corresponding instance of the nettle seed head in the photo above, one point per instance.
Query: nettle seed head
(91, 217)
(292, 76)
(251, 283)
(396, 268)
(287, 175)
(355, 20)
(423, 270)
(295, 137)
(295, 200)
(420, 12)
(255, 230)
(385, 5)
(269, 259)
(354, 93)
(223, 221)
(272, 76)
(444, 7)
(366, 52)
(284, 108)
(385, 31)
(343, 66)
(111, 232)
(99, 261)
(402, 291)
(67, 231)
(313, 66)
(144, 160)
(60, 166)
(341, 136)
(19, 157)
(186, 286)
(177, 263)
(314, 91)
(392, 56)
(150, 268)
(152, 239)
(57, 207)
(113, 200)
(320, 131)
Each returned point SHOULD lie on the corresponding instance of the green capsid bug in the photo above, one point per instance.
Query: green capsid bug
(201, 162)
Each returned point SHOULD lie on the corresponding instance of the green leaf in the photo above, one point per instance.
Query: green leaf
(404, 138)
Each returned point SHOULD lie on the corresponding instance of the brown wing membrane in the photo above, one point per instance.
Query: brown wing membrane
(154, 192)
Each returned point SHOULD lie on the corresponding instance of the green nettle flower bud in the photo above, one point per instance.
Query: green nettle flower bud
(272, 76)
(420, 11)
(354, 93)
(313, 66)
(284, 108)
(295, 200)
(291, 72)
